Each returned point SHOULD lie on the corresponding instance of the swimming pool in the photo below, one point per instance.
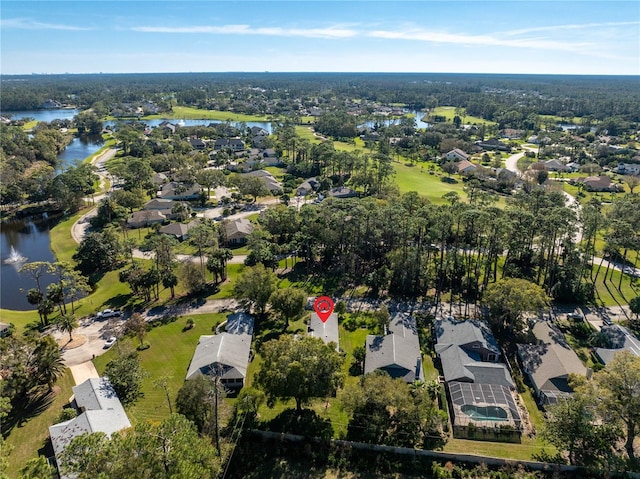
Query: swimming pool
(485, 413)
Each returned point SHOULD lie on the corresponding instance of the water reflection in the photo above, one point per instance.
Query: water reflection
(30, 238)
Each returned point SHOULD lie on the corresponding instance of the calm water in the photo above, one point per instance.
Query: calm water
(79, 149)
(43, 115)
(30, 238)
(419, 115)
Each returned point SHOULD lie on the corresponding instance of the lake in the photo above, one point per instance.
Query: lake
(30, 238)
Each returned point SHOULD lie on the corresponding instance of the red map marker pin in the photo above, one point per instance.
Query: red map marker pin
(323, 307)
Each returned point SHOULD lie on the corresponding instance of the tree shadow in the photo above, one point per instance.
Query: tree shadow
(304, 423)
(33, 407)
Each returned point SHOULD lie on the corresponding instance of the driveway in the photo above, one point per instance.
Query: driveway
(83, 371)
(96, 333)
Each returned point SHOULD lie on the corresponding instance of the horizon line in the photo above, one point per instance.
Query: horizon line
(321, 72)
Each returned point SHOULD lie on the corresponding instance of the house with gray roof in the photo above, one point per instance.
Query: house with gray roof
(620, 339)
(269, 180)
(469, 353)
(457, 155)
(145, 218)
(327, 331)
(398, 352)
(549, 362)
(99, 410)
(237, 231)
(180, 231)
(180, 191)
(225, 354)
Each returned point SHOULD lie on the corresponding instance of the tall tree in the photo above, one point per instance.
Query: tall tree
(509, 298)
(255, 285)
(126, 375)
(289, 303)
(166, 450)
(301, 369)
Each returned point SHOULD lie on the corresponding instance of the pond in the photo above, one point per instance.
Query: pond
(44, 115)
(29, 238)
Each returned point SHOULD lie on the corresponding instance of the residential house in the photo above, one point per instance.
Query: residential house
(465, 167)
(479, 386)
(145, 218)
(51, 104)
(597, 183)
(493, 144)
(469, 353)
(556, 165)
(457, 155)
(327, 330)
(628, 169)
(235, 144)
(237, 231)
(342, 192)
(166, 125)
(573, 166)
(226, 354)
(512, 134)
(272, 184)
(99, 410)
(309, 186)
(180, 191)
(180, 231)
(621, 339)
(258, 131)
(4, 329)
(549, 362)
(398, 352)
(197, 144)
(159, 179)
(270, 157)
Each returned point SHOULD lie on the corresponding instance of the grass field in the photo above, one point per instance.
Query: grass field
(29, 436)
(449, 112)
(425, 183)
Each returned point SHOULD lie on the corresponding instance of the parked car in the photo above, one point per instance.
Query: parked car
(109, 342)
(108, 313)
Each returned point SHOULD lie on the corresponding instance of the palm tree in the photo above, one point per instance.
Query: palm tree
(48, 362)
(67, 323)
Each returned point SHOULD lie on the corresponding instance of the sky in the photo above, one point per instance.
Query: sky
(448, 36)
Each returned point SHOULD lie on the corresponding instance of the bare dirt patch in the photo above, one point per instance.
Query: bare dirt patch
(76, 341)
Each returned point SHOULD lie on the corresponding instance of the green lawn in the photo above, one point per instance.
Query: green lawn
(31, 434)
(449, 112)
(188, 113)
(169, 355)
(418, 178)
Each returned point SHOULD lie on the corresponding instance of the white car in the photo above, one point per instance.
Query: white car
(109, 342)
(108, 313)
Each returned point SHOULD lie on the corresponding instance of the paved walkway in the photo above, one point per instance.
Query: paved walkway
(83, 371)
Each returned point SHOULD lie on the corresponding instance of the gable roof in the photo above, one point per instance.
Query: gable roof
(458, 345)
(178, 229)
(621, 340)
(237, 227)
(101, 412)
(551, 360)
(225, 354)
(398, 353)
(327, 331)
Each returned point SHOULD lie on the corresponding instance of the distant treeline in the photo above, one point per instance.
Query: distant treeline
(482, 95)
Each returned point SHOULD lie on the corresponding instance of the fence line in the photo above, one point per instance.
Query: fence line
(439, 455)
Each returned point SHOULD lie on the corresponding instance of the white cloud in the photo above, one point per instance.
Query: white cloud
(481, 40)
(329, 32)
(561, 28)
(28, 24)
